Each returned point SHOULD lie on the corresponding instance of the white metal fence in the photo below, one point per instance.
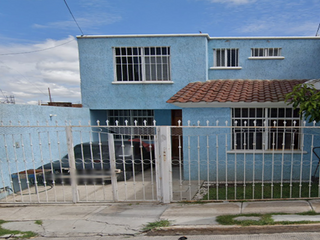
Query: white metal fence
(57, 164)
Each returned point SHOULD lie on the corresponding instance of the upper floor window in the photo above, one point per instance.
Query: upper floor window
(265, 53)
(142, 63)
(226, 57)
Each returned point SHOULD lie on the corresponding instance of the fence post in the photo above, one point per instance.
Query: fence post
(163, 164)
(113, 167)
(72, 165)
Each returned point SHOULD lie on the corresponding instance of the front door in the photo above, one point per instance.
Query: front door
(176, 134)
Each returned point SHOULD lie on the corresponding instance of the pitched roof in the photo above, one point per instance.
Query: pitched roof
(233, 91)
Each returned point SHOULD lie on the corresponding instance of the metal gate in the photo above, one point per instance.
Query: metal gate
(61, 164)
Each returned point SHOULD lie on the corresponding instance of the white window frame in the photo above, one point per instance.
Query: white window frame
(140, 64)
(266, 54)
(264, 125)
(222, 58)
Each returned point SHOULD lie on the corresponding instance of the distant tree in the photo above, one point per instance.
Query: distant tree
(307, 99)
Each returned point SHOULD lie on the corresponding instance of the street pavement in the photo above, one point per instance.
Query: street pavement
(126, 220)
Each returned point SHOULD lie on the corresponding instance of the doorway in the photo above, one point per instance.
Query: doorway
(176, 134)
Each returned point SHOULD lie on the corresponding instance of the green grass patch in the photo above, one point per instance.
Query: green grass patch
(4, 231)
(157, 224)
(309, 213)
(241, 192)
(265, 219)
(38, 222)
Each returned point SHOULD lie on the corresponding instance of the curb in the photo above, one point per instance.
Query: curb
(233, 229)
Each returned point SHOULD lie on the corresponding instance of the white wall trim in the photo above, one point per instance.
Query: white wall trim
(195, 35)
(225, 68)
(266, 58)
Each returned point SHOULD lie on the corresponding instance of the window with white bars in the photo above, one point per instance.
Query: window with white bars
(131, 118)
(265, 128)
(142, 64)
(265, 52)
(226, 57)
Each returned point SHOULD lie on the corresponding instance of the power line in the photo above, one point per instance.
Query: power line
(40, 50)
(73, 16)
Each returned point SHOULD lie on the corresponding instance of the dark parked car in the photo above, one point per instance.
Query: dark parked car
(93, 162)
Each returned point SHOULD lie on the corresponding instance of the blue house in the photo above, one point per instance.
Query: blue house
(230, 88)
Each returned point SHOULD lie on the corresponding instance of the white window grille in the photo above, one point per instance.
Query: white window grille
(142, 63)
(226, 57)
(265, 128)
(265, 52)
(131, 118)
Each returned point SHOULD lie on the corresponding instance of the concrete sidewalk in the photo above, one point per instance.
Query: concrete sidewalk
(130, 218)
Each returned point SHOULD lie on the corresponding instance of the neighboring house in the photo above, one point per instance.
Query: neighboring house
(238, 80)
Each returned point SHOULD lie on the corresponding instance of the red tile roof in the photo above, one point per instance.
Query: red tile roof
(235, 91)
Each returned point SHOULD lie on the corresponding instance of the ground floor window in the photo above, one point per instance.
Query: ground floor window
(131, 118)
(265, 128)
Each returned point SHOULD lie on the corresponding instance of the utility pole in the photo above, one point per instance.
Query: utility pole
(50, 99)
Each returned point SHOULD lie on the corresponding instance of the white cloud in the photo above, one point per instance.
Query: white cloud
(28, 76)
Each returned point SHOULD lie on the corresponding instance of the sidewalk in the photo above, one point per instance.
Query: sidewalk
(130, 218)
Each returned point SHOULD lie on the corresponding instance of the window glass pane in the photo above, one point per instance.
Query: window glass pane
(117, 51)
(119, 73)
(260, 112)
(296, 113)
(164, 51)
(261, 50)
(252, 112)
(135, 51)
(288, 112)
(274, 112)
(281, 113)
(244, 112)
(237, 112)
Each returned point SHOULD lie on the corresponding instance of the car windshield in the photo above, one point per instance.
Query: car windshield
(85, 151)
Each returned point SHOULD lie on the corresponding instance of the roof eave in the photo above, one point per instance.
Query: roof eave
(231, 104)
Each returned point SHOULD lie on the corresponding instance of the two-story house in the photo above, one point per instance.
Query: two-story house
(238, 81)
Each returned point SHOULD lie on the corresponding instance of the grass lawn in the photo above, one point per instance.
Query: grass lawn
(157, 224)
(242, 192)
(265, 219)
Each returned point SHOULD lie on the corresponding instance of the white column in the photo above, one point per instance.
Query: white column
(163, 164)
(72, 165)
(112, 157)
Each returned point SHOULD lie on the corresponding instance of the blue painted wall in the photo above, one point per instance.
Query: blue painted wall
(211, 146)
(301, 56)
(30, 147)
(188, 64)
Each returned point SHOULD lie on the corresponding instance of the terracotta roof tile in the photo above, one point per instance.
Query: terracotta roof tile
(235, 91)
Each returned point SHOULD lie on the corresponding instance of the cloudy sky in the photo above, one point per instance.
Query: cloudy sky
(38, 47)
